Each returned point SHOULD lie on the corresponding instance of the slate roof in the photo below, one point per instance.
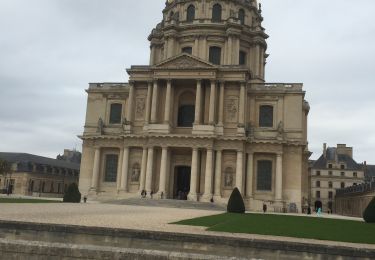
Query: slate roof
(31, 158)
(370, 172)
(321, 163)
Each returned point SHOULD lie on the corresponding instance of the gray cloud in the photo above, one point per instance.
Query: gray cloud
(51, 49)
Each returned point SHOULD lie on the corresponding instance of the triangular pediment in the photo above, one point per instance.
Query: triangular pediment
(185, 61)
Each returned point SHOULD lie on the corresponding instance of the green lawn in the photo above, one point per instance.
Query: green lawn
(289, 226)
(14, 200)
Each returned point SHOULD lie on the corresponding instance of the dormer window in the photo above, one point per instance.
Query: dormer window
(342, 167)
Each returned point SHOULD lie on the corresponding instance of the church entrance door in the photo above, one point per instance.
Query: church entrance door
(182, 182)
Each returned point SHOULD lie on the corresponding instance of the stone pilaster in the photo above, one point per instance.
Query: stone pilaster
(96, 170)
(198, 102)
(250, 175)
(125, 170)
(143, 170)
(148, 103)
(194, 175)
(150, 166)
(239, 171)
(211, 117)
(129, 111)
(167, 105)
(279, 178)
(217, 190)
(119, 167)
(208, 176)
(154, 102)
(163, 173)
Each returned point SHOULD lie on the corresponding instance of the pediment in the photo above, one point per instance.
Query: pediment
(185, 61)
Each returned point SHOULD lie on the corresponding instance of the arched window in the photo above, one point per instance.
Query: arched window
(190, 16)
(241, 16)
(242, 58)
(188, 50)
(186, 109)
(186, 116)
(264, 176)
(171, 14)
(215, 55)
(115, 114)
(111, 161)
(266, 116)
(216, 13)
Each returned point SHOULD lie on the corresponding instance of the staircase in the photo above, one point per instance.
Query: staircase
(166, 203)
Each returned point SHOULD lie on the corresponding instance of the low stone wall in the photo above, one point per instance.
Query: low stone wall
(353, 204)
(18, 241)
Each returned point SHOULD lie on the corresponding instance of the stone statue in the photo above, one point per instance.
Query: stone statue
(280, 131)
(228, 180)
(100, 126)
(135, 175)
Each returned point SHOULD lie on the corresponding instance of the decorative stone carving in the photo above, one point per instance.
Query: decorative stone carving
(185, 62)
(100, 129)
(231, 109)
(228, 177)
(140, 104)
(135, 173)
(280, 131)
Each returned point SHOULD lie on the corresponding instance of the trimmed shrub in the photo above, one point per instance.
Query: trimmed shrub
(369, 213)
(235, 203)
(72, 194)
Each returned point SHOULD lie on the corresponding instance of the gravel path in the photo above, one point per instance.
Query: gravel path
(129, 217)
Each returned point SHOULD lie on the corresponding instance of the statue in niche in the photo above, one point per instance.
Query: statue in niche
(280, 130)
(135, 173)
(100, 129)
(140, 107)
(228, 180)
(232, 110)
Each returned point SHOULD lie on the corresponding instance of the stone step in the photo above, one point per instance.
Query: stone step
(169, 203)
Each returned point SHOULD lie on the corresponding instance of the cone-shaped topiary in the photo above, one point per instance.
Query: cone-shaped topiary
(369, 213)
(235, 203)
(72, 194)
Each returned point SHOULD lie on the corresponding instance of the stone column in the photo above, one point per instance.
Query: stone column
(167, 105)
(119, 167)
(125, 170)
(150, 166)
(148, 103)
(198, 101)
(129, 111)
(241, 113)
(221, 104)
(96, 170)
(230, 50)
(279, 178)
(211, 117)
(239, 171)
(196, 46)
(154, 105)
(217, 192)
(208, 175)
(143, 170)
(194, 175)
(163, 171)
(249, 175)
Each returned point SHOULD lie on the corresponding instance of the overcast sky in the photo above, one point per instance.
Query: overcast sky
(51, 49)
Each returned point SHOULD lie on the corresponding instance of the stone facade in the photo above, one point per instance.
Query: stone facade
(352, 201)
(335, 169)
(33, 175)
(199, 120)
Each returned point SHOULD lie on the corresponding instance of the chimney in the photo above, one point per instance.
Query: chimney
(325, 150)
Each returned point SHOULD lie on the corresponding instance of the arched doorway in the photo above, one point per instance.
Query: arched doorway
(181, 182)
(318, 204)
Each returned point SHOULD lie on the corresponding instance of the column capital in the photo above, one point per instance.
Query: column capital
(169, 81)
(279, 154)
(150, 81)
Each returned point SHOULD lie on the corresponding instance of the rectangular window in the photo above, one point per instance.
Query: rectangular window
(111, 161)
(330, 184)
(242, 58)
(330, 166)
(330, 173)
(330, 195)
(115, 114)
(342, 174)
(317, 194)
(318, 184)
(342, 185)
(215, 55)
(266, 116)
(342, 167)
(264, 176)
(354, 174)
(188, 50)
(317, 173)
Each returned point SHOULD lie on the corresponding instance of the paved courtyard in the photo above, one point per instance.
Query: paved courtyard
(128, 217)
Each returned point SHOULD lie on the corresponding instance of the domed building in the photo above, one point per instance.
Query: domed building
(199, 120)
